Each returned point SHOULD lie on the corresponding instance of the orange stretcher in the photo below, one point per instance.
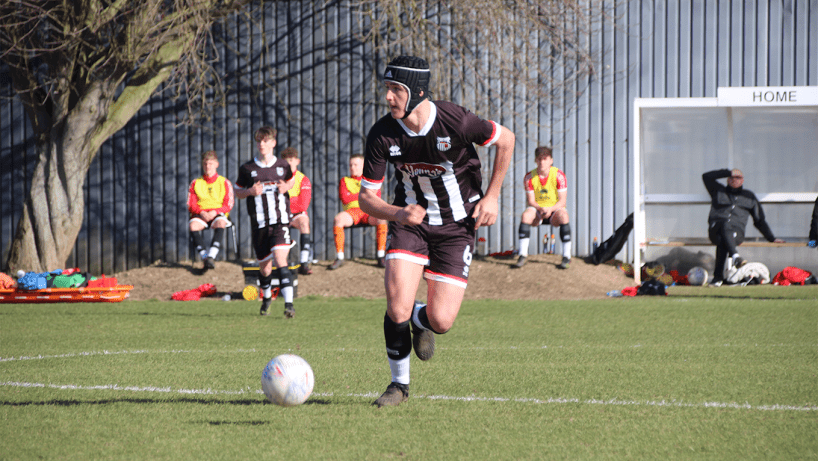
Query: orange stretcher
(66, 295)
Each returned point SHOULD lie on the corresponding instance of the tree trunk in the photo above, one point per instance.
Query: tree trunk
(53, 210)
(72, 127)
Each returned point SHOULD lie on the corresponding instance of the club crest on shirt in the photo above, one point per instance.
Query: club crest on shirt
(422, 169)
(444, 144)
(394, 151)
(280, 170)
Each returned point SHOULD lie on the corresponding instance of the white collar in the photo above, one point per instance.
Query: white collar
(427, 127)
(261, 164)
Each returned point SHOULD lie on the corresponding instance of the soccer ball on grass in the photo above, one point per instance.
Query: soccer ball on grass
(287, 380)
(697, 276)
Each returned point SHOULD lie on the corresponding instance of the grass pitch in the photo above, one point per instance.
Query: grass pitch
(726, 373)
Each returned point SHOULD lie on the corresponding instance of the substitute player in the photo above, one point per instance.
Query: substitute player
(437, 209)
(209, 201)
(352, 215)
(300, 196)
(546, 191)
(264, 182)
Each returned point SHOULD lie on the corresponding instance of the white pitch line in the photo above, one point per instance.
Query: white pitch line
(611, 402)
(93, 353)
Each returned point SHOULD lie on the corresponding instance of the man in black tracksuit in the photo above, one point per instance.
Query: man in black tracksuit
(731, 205)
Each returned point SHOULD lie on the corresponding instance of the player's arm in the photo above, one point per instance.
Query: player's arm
(227, 200)
(193, 199)
(306, 193)
(284, 186)
(256, 189)
(373, 205)
(344, 193)
(531, 200)
(245, 186)
(709, 178)
(487, 209)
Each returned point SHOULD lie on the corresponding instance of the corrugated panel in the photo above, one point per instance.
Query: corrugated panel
(312, 80)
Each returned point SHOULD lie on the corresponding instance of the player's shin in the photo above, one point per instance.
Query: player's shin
(198, 242)
(265, 283)
(565, 237)
(524, 235)
(306, 246)
(285, 281)
(215, 245)
(398, 347)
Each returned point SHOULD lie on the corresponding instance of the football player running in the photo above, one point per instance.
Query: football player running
(438, 207)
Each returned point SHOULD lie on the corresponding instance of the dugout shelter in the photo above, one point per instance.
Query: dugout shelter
(770, 133)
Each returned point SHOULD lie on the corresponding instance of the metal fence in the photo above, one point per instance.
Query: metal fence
(279, 74)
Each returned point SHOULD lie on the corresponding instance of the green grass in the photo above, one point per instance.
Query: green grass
(726, 373)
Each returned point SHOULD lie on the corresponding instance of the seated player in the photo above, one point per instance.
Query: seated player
(352, 215)
(546, 193)
(210, 199)
(300, 196)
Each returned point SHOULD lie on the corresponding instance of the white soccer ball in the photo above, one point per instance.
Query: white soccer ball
(287, 380)
(697, 276)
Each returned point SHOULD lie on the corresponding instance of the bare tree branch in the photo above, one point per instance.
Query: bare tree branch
(540, 46)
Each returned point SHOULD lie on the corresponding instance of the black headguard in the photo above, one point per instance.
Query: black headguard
(411, 73)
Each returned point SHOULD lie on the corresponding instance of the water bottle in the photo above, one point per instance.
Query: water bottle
(614, 293)
(596, 244)
(553, 244)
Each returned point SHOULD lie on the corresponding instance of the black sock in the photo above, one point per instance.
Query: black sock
(198, 240)
(218, 235)
(398, 338)
(565, 232)
(524, 231)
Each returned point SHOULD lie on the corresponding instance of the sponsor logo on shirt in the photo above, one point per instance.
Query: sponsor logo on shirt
(394, 151)
(444, 144)
(422, 169)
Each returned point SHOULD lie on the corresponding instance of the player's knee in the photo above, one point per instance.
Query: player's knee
(560, 218)
(342, 219)
(529, 215)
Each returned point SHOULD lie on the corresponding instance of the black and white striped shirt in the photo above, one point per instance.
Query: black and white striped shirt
(272, 206)
(437, 168)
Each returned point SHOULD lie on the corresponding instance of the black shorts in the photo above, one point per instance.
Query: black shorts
(445, 250)
(269, 238)
(544, 222)
(208, 225)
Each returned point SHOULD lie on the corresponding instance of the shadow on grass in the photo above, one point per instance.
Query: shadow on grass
(71, 403)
